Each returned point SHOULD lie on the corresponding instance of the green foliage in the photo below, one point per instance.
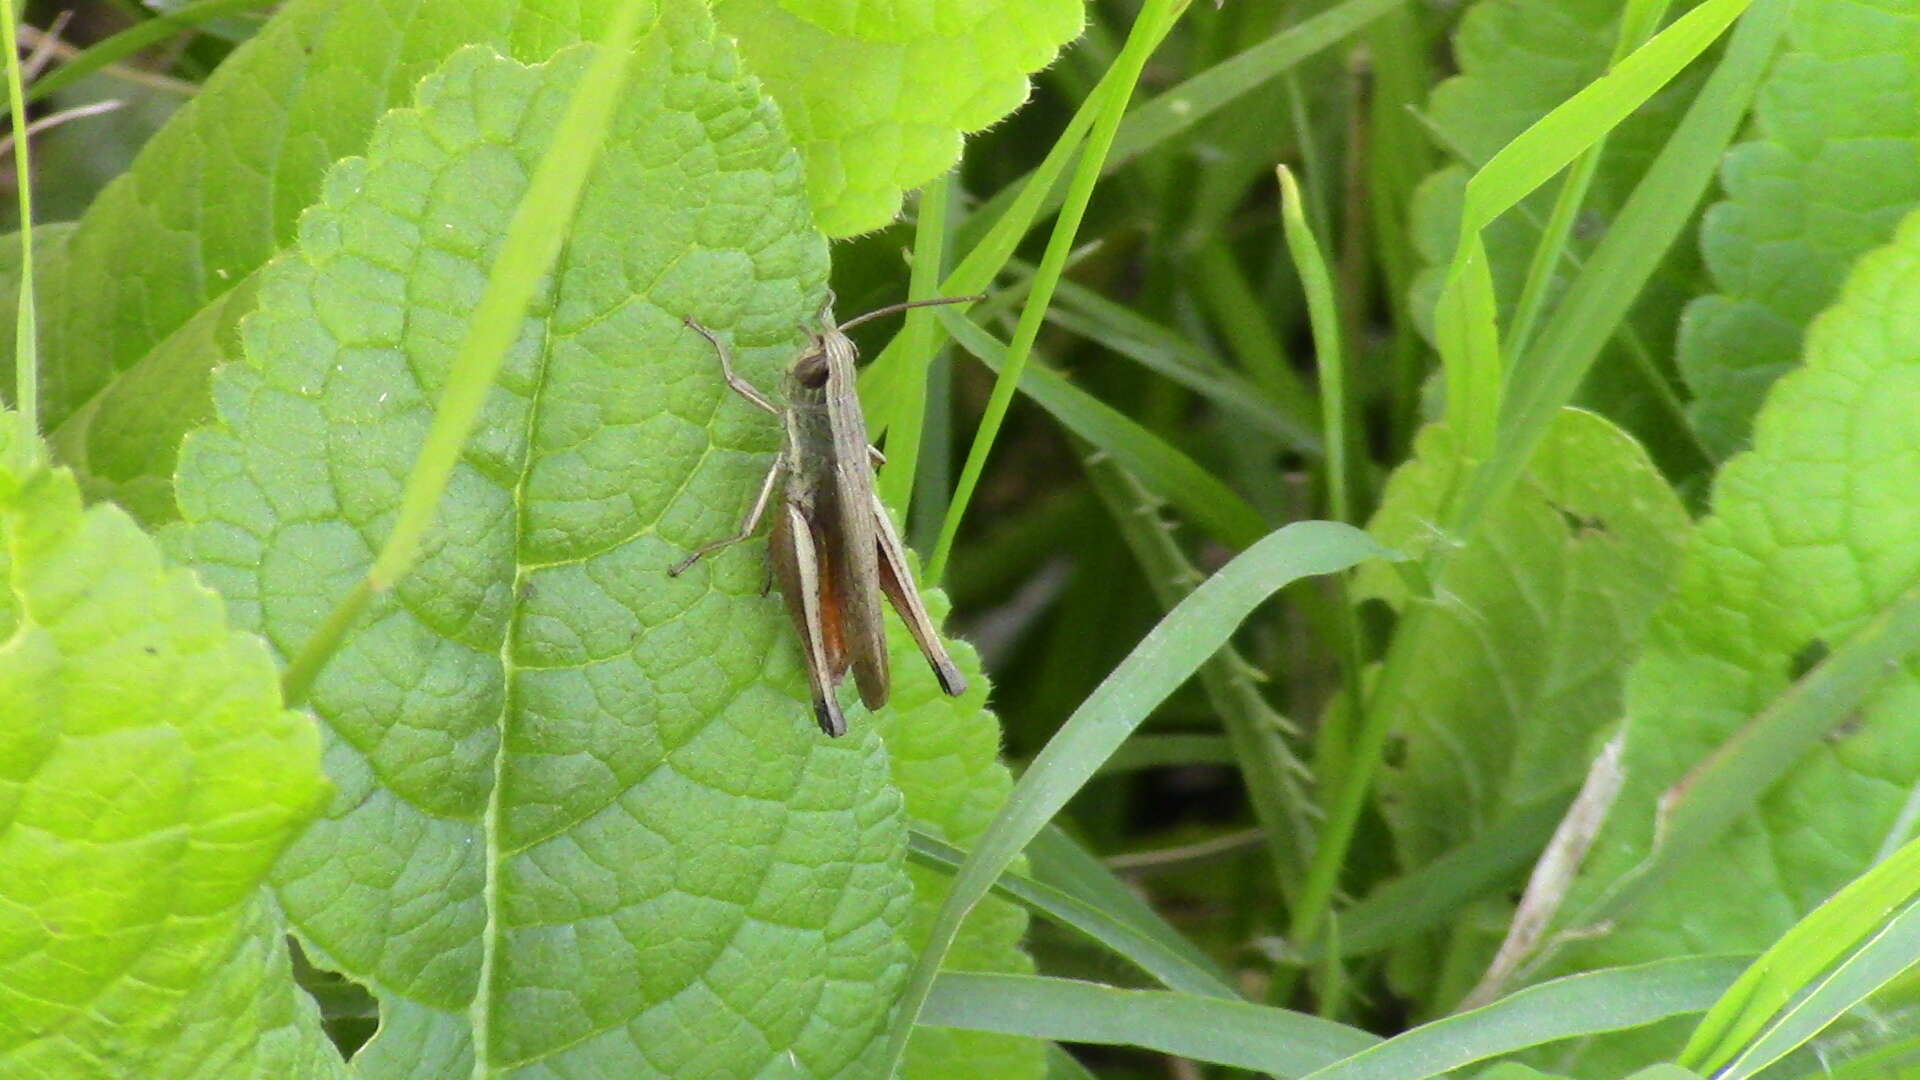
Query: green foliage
(1833, 167)
(878, 96)
(1518, 59)
(1536, 623)
(1809, 538)
(579, 822)
(239, 164)
(148, 779)
(550, 770)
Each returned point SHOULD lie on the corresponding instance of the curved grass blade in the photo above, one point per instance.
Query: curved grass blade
(1172, 968)
(1885, 957)
(1166, 658)
(1587, 1004)
(1274, 1041)
(1827, 934)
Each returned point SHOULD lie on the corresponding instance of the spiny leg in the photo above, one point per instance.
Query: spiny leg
(747, 527)
(740, 386)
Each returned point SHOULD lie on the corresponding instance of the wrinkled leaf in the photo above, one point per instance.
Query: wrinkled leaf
(584, 821)
(1834, 166)
(1539, 619)
(217, 192)
(878, 95)
(1810, 536)
(148, 779)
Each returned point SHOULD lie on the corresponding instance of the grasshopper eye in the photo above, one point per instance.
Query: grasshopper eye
(810, 371)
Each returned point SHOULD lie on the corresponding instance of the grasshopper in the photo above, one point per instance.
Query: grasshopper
(833, 549)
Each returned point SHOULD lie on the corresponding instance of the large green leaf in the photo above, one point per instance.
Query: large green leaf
(1834, 166)
(1539, 619)
(584, 824)
(878, 95)
(1811, 536)
(1518, 59)
(148, 779)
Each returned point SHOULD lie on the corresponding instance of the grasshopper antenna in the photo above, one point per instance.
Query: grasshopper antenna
(892, 309)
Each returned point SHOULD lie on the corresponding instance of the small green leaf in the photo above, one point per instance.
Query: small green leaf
(148, 780)
(1809, 542)
(879, 95)
(1834, 166)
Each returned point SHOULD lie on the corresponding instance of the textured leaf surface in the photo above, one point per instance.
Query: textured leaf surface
(1539, 620)
(1834, 167)
(878, 95)
(1518, 59)
(585, 825)
(1811, 533)
(881, 92)
(148, 780)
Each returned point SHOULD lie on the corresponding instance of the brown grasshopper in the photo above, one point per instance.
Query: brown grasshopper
(833, 548)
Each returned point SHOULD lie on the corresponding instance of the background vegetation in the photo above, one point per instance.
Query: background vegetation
(1555, 357)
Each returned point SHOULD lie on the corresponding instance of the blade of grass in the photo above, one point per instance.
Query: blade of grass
(1433, 895)
(1890, 953)
(1851, 929)
(1056, 859)
(1166, 471)
(1637, 23)
(917, 347)
(1164, 352)
(1465, 316)
(1172, 968)
(133, 39)
(988, 254)
(1272, 774)
(1166, 658)
(26, 329)
(1604, 291)
(1614, 999)
(1724, 787)
(1174, 112)
(1258, 1037)
(532, 243)
(1148, 28)
(1595, 304)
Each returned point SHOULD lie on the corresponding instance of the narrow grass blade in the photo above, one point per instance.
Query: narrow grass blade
(1148, 29)
(147, 32)
(1262, 1038)
(1795, 962)
(1646, 227)
(1880, 960)
(1166, 471)
(26, 329)
(1464, 318)
(1433, 895)
(1615, 999)
(529, 249)
(1166, 658)
(1082, 311)
(918, 345)
(1724, 787)
(1273, 775)
(1169, 967)
(1173, 113)
(1057, 860)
